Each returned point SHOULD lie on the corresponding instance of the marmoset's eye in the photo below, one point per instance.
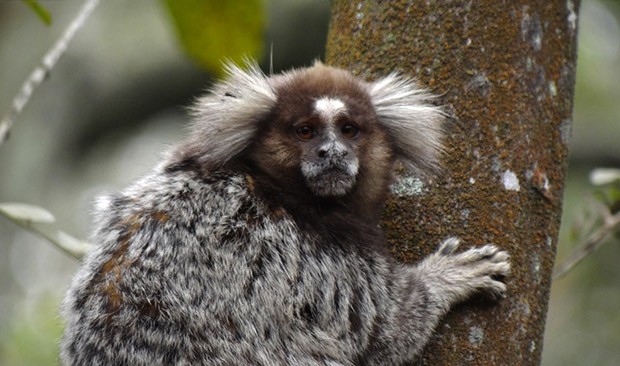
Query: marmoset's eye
(306, 132)
(350, 131)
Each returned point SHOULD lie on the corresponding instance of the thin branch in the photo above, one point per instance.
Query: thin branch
(41, 222)
(611, 223)
(39, 74)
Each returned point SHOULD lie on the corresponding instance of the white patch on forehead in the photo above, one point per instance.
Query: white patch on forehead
(329, 108)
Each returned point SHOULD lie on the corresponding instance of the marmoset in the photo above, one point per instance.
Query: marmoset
(256, 241)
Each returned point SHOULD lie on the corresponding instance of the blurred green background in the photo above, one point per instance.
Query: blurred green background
(116, 101)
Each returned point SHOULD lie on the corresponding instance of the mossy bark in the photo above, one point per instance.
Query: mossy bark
(505, 72)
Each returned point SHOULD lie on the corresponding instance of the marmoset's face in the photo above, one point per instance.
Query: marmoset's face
(329, 142)
(323, 128)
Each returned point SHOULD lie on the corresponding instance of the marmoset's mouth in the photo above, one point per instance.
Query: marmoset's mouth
(331, 181)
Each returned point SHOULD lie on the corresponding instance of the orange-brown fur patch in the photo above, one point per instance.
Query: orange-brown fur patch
(250, 183)
(278, 213)
(160, 216)
(112, 270)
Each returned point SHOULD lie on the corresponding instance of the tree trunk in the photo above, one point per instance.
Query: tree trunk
(505, 72)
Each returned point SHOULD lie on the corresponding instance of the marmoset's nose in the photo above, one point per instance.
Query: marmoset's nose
(332, 150)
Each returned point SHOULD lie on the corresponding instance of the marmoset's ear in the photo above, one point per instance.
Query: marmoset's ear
(226, 119)
(414, 124)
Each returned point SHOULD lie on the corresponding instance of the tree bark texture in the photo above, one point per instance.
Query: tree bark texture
(505, 72)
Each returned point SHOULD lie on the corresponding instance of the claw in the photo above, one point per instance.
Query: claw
(488, 251)
(449, 245)
(497, 290)
(501, 256)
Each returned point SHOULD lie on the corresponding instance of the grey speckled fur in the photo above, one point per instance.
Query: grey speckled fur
(206, 267)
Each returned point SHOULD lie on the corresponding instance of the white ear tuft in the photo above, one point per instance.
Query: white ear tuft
(226, 120)
(415, 125)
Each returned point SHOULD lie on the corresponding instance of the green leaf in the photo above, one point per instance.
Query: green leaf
(43, 13)
(39, 221)
(215, 30)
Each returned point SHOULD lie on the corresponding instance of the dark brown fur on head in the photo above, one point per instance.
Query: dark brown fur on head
(279, 153)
